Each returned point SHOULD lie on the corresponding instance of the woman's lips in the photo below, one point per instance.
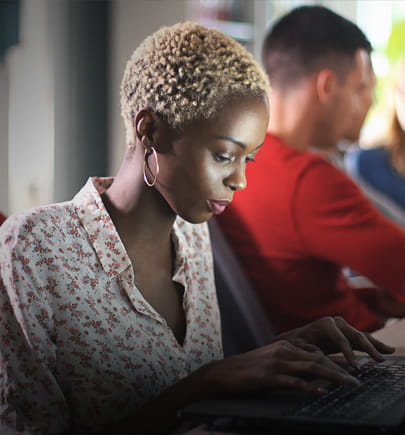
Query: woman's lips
(217, 207)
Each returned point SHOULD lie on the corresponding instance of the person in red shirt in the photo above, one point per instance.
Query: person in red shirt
(302, 221)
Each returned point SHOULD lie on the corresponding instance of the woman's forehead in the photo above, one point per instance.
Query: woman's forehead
(243, 120)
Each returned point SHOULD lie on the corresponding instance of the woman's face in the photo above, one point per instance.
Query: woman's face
(204, 165)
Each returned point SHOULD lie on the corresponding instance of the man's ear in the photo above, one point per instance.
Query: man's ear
(325, 82)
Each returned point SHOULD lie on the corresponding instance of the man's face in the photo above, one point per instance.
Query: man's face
(361, 104)
(349, 101)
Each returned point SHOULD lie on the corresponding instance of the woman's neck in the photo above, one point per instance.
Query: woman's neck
(139, 212)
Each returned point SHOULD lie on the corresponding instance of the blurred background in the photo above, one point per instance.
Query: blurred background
(61, 63)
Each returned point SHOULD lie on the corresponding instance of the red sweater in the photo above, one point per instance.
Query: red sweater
(294, 228)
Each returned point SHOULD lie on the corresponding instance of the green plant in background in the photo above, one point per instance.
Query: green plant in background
(395, 48)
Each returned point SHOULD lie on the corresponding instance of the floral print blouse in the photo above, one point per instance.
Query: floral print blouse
(79, 345)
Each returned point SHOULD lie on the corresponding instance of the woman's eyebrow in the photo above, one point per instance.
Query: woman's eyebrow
(230, 139)
(241, 144)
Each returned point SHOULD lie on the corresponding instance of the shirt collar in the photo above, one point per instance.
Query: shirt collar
(181, 247)
(100, 228)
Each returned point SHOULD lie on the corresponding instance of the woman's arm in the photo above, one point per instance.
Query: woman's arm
(286, 363)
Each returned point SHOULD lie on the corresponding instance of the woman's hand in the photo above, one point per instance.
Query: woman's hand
(334, 334)
(295, 357)
(278, 365)
(292, 361)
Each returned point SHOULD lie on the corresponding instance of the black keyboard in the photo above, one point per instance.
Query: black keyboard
(381, 385)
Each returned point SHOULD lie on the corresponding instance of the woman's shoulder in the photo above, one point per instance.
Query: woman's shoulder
(374, 159)
(374, 153)
(357, 159)
(36, 222)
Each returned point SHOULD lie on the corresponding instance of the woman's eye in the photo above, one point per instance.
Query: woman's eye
(250, 159)
(222, 158)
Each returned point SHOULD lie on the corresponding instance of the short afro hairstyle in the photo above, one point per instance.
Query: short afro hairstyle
(185, 72)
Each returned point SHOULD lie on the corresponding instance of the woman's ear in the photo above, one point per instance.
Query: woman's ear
(326, 82)
(144, 124)
(152, 130)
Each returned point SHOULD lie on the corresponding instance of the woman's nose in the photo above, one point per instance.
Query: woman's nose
(237, 179)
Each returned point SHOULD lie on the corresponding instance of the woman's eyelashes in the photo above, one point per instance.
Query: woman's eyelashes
(223, 158)
(227, 158)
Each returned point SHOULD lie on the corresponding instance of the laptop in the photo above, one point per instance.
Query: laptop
(376, 406)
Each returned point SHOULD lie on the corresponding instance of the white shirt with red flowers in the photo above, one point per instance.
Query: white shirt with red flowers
(79, 345)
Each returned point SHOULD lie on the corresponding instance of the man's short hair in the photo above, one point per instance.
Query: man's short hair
(307, 39)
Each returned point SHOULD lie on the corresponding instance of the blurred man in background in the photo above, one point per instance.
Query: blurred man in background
(301, 220)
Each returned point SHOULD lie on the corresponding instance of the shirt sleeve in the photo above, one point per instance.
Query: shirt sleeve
(338, 223)
(31, 401)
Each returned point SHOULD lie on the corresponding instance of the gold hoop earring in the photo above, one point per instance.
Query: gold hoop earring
(148, 152)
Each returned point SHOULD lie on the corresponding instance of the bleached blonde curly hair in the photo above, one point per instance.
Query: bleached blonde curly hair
(185, 72)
